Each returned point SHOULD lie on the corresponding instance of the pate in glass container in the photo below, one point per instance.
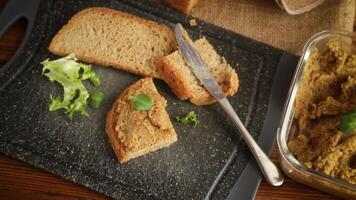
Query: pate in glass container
(317, 146)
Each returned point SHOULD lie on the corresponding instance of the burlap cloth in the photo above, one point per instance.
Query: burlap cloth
(264, 21)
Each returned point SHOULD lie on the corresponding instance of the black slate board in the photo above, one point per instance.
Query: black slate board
(79, 150)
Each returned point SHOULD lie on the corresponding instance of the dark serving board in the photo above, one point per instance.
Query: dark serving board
(207, 161)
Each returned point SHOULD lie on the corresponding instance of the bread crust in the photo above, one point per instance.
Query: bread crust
(173, 79)
(117, 145)
(103, 62)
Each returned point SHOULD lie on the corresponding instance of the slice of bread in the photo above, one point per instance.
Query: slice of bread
(111, 38)
(183, 82)
(133, 133)
(182, 5)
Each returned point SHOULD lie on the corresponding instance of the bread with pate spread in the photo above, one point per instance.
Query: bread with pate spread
(133, 133)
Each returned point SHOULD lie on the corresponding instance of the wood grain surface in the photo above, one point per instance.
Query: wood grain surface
(19, 180)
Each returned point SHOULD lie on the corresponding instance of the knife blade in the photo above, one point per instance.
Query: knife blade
(199, 68)
(196, 63)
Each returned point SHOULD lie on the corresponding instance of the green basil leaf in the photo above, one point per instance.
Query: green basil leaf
(348, 123)
(141, 102)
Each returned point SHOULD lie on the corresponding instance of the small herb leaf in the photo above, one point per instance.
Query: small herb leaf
(96, 99)
(190, 118)
(141, 102)
(348, 123)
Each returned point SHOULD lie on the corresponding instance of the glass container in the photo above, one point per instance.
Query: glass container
(290, 165)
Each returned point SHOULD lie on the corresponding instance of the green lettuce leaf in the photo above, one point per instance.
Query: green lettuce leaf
(189, 118)
(70, 74)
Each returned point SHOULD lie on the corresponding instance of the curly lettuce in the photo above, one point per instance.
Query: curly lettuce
(189, 118)
(68, 72)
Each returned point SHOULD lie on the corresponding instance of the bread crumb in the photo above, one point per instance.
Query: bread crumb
(192, 22)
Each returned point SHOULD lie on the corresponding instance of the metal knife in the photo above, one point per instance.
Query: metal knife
(270, 171)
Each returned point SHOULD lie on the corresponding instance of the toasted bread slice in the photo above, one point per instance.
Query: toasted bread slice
(182, 5)
(133, 133)
(111, 38)
(183, 82)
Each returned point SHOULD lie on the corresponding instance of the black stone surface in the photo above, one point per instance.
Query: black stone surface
(79, 150)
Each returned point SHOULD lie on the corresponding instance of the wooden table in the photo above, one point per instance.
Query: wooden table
(19, 180)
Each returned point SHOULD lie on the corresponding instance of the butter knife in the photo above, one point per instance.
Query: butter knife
(270, 171)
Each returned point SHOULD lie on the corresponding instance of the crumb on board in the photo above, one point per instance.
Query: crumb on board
(192, 22)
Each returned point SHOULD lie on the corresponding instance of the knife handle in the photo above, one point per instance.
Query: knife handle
(270, 171)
